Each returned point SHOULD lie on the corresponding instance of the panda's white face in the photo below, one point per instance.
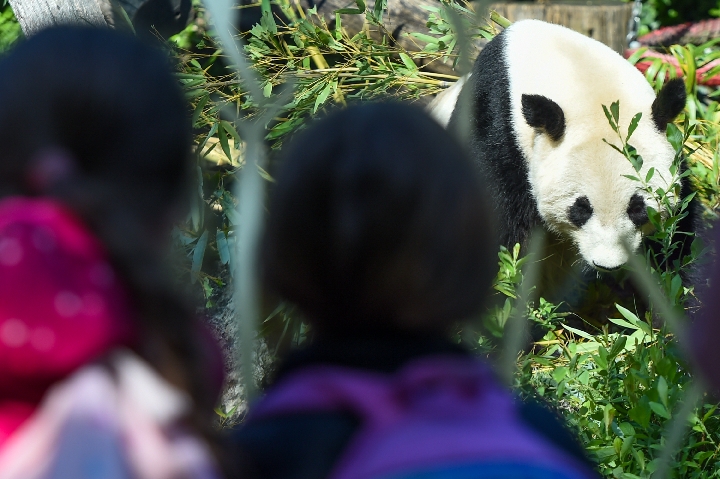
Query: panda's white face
(558, 82)
(555, 82)
(582, 193)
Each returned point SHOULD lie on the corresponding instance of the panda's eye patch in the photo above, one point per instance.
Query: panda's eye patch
(580, 212)
(637, 210)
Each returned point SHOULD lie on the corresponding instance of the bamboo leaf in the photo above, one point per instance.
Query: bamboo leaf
(623, 323)
(659, 409)
(637, 55)
(578, 332)
(611, 121)
(199, 109)
(222, 246)
(224, 141)
(614, 147)
(424, 38)
(380, 7)
(631, 317)
(649, 174)
(633, 125)
(662, 388)
(198, 255)
(407, 61)
(229, 128)
(322, 97)
(353, 11)
(615, 110)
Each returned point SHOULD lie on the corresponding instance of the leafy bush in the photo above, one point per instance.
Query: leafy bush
(324, 66)
(624, 386)
(661, 13)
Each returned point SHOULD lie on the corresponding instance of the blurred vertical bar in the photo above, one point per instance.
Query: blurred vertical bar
(249, 194)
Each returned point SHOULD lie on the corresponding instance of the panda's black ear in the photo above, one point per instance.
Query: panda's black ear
(669, 103)
(544, 114)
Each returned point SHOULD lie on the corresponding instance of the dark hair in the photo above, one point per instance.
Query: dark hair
(379, 221)
(111, 105)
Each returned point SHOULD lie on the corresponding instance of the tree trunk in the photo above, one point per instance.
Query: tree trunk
(149, 17)
(34, 15)
(604, 20)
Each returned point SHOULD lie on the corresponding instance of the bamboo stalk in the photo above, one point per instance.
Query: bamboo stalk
(355, 69)
(317, 57)
(701, 154)
(420, 81)
(403, 79)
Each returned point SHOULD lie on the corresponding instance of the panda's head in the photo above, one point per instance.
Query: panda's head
(580, 182)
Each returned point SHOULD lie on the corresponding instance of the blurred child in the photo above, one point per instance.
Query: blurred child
(704, 333)
(381, 233)
(104, 372)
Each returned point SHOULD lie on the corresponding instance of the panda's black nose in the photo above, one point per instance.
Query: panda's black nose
(606, 268)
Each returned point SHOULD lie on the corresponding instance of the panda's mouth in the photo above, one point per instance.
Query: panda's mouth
(606, 269)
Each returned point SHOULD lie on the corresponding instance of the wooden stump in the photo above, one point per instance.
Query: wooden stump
(604, 20)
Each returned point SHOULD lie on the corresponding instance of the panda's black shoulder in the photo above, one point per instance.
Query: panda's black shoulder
(487, 83)
(493, 144)
(493, 54)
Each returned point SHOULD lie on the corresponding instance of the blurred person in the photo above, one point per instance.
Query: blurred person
(104, 370)
(704, 331)
(381, 232)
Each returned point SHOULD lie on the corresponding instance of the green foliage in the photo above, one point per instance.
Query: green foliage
(626, 389)
(660, 13)
(324, 68)
(702, 114)
(623, 385)
(10, 31)
(668, 199)
(444, 23)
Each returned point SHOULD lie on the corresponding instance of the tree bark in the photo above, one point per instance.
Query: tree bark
(604, 20)
(149, 17)
(34, 15)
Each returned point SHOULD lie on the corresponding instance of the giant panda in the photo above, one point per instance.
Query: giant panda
(536, 131)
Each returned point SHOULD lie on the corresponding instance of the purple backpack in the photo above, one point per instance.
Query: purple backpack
(436, 417)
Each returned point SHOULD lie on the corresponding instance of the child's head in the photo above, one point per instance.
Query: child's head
(95, 120)
(379, 221)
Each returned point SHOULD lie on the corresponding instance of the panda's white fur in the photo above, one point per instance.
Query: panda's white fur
(579, 75)
(442, 106)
